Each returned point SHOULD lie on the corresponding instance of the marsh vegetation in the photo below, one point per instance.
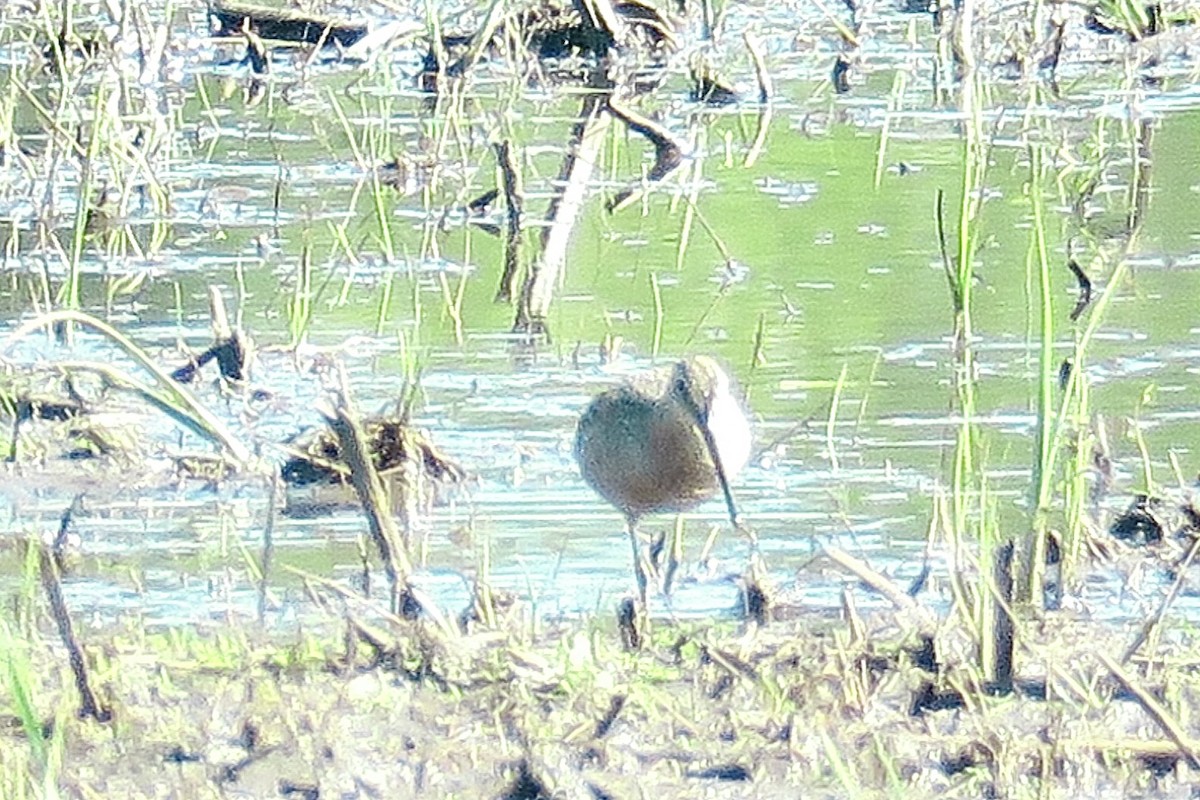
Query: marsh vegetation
(301, 306)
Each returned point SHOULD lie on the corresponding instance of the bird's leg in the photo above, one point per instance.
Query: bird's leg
(658, 560)
(674, 556)
(627, 624)
(639, 568)
(634, 616)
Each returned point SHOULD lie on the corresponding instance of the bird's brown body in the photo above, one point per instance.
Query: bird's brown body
(666, 441)
(644, 453)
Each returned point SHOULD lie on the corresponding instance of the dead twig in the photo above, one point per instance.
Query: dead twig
(668, 152)
(890, 591)
(1162, 718)
(514, 199)
(564, 211)
(369, 489)
(89, 705)
(761, 74)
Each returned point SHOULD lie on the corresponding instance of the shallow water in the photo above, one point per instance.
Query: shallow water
(843, 277)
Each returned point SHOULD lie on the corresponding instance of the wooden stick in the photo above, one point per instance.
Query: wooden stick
(369, 488)
(765, 87)
(890, 591)
(587, 140)
(514, 199)
(89, 706)
(1160, 715)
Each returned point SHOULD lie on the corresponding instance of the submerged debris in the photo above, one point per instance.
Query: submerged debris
(22, 403)
(708, 85)
(393, 442)
(289, 25)
(1142, 523)
(230, 355)
(212, 469)
(1135, 22)
(231, 347)
(573, 41)
(24, 407)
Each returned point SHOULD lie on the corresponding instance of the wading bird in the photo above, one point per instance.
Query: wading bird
(665, 441)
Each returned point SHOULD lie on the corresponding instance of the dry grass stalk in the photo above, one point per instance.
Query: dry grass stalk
(89, 704)
(1188, 748)
(367, 485)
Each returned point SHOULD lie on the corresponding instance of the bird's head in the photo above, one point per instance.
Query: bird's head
(695, 382)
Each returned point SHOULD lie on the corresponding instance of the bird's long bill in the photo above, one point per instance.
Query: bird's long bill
(711, 444)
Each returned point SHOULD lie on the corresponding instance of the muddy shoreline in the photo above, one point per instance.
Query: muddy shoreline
(861, 706)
